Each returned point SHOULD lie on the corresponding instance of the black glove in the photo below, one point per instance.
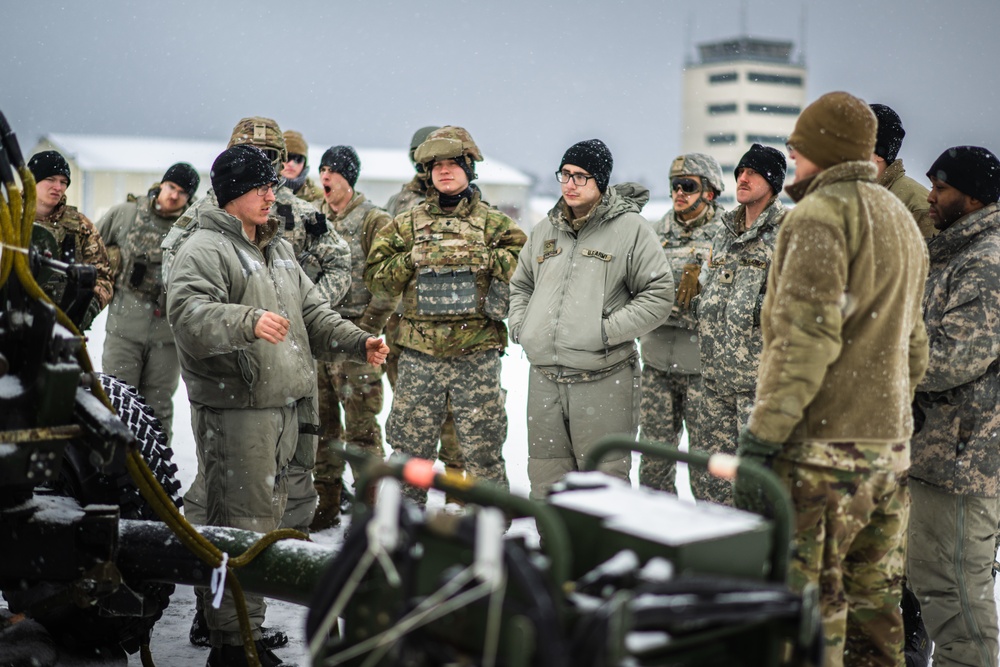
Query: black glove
(747, 494)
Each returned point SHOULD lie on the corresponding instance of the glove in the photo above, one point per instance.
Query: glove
(93, 310)
(747, 494)
(689, 287)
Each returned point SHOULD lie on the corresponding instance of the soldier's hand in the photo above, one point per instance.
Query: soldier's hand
(747, 494)
(377, 351)
(271, 327)
(689, 287)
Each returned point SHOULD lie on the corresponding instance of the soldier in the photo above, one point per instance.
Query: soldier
(451, 258)
(735, 280)
(891, 174)
(357, 388)
(844, 348)
(592, 279)
(139, 347)
(248, 322)
(955, 472)
(77, 240)
(295, 170)
(326, 259)
(410, 195)
(671, 366)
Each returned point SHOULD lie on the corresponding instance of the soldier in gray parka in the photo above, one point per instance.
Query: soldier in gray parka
(588, 283)
(248, 322)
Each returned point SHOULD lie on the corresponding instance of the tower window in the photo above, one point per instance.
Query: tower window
(780, 79)
(716, 109)
(723, 77)
(779, 109)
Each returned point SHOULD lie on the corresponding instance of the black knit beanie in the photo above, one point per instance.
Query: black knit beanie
(48, 163)
(343, 160)
(240, 169)
(889, 134)
(183, 176)
(766, 161)
(971, 170)
(593, 156)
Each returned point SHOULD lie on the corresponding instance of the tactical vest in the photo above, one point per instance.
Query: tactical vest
(451, 259)
(65, 227)
(351, 229)
(142, 256)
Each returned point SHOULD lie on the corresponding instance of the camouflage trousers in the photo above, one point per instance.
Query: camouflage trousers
(471, 385)
(721, 418)
(242, 459)
(850, 541)
(670, 402)
(356, 391)
(566, 419)
(949, 567)
(450, 453)
(151, 368)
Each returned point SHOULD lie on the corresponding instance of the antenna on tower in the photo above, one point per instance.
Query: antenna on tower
(689, 56)
(744, 28)
(802, 35)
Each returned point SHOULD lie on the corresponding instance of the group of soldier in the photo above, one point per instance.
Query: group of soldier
(803, 339)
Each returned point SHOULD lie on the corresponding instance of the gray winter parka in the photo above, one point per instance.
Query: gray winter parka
(220, 284)
(578, 300)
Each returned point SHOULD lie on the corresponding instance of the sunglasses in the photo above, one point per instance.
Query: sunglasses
(687, 185)
(296, 158)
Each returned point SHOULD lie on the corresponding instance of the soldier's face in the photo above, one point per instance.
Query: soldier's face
(947, 204)
(448, 177)
(171, 198)
(580, 198)
(804, 167)
(252, 208)
(335, 187)
(682, 198)
(751, 187)
(51, 190)
(294, 166)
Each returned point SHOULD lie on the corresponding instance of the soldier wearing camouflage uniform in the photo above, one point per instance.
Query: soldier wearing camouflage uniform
(592, 279)
(844, 349)
(735, 280)
(410, 195)
(139, 348)
(77, 240)
(671, 365)
(892, 175)
(451, 259)
(351, 388)
(295, 170)
(955, 469)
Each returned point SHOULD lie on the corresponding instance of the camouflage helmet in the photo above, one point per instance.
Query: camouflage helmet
(699, 164)
(263, 133)
(446, 143)
(418, 138)
(295, 143)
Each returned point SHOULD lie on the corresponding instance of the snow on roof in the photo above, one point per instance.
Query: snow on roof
(95, 152)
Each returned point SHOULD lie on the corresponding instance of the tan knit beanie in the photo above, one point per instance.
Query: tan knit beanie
(837, 127)
(294, 143)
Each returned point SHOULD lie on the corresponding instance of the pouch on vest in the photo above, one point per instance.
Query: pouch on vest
(448, 292)
(496, 306)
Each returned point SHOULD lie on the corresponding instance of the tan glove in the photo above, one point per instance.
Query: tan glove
(689, 287)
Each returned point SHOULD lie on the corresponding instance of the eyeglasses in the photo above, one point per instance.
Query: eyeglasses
(296, 158)
(264, 189)
(579, 179)
(687, 185)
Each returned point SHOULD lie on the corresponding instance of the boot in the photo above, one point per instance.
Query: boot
(328, 509)
(455, 469)
(229, 655)
(199, 634)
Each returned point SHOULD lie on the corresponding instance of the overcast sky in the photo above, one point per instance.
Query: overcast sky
(526, 78)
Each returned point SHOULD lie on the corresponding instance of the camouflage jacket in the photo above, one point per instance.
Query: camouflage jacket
(134, 231)
(79, 242)
(580, 299)
(734, 280)
(357, 224)
(392, 271)
(956, 444)
(325, 257)
(221, 283)
(844, 338)
(310, 192)
(410, 195)
(912, 194)
(673, 347)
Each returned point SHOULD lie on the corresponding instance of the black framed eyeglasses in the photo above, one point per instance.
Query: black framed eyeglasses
(263, 189)
(687, 185)
(579, 179)
(296, 158)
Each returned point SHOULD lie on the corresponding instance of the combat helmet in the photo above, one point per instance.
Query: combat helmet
(263, 133)
(448, 142)
(699, 164)
(418, 138)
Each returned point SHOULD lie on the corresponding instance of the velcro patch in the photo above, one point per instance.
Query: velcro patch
(603, 256)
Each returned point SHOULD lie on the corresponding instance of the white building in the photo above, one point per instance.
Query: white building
(740, 92)
(106, 169)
